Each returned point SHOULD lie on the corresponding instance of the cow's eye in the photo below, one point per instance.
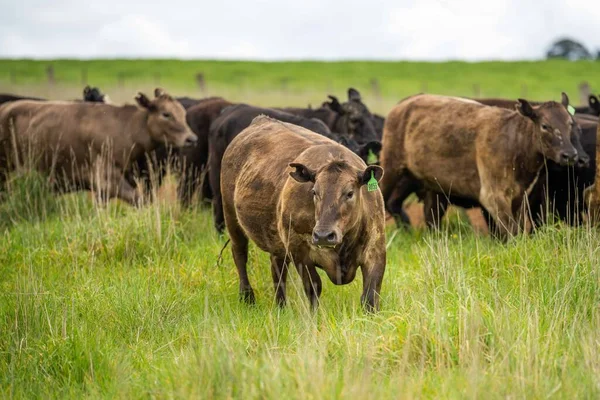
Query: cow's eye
(350, 195)
(545, 127)
(314, 193)
(167, 115)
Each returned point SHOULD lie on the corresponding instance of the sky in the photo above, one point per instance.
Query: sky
(429, 30)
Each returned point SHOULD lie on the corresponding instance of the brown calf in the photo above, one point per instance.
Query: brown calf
(89, 146)
(303, 198)
(464, 149)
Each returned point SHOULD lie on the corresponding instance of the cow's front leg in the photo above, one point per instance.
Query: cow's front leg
(311, 282)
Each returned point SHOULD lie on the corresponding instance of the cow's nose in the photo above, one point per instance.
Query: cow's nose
(191, 140)
(583, 161)
(568, 157)
(325, 237)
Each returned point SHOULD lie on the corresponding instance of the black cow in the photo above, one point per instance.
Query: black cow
(90, 94)
(593, 107)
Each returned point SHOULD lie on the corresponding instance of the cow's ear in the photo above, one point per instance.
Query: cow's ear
(353, 95)
(302, 173)
(593, 102)
(334, 104)
(86, 91)
(144, 101)
(159, 92)
(372, 171)
(370, 152)
(564, 100)
(525, 109)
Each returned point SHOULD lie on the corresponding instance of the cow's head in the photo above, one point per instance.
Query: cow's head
(166, 119)
(554, 129)
(338, 192)
(594, 105)
(94, 95)
(369, 152)
(354, 118)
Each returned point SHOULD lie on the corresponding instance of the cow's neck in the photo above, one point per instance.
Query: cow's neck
(142, 141)
(527, 162)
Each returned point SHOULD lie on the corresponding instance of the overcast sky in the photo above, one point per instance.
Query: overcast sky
(300, 29)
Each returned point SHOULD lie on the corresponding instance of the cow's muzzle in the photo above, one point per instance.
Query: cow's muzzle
(326, 237)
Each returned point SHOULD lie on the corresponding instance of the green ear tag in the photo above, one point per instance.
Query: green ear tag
(372, 157)
(372, 184)
(571, 109)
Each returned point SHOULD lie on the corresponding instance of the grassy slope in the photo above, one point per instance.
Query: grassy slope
(129, 303)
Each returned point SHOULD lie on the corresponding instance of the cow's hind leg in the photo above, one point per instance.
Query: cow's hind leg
(239, 249)
(279, 270)
(405, 186)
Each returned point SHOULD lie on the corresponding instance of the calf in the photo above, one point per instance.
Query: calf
(485, 154)
(306, 199)
(89, 146)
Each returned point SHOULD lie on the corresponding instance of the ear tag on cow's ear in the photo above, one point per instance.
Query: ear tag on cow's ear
(571, 109)
(372, 183)
(372, 157)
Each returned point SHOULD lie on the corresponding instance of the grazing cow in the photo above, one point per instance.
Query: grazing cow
(592, 193)
(352, 118)
(327, 213)
(559, 189)
(92, 95)
(230, 123)
(188, 162)
(462, 148)
(89, 146)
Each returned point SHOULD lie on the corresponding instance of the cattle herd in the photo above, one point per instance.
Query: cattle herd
(312, 186)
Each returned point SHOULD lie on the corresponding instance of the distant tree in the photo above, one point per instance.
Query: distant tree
(568, 49)
(598, 54)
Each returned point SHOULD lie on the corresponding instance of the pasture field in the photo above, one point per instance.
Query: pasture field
(299, 83)
(116, 302)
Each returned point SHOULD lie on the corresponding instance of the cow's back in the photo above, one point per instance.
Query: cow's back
(254, 171)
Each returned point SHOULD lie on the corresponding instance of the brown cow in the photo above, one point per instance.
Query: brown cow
(468, 150)
(320, 216)
(89, 146)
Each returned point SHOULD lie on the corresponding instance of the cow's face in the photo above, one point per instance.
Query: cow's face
(354, 118)
(337, 189)
(369, 152)
(554, 129)
(166, 119)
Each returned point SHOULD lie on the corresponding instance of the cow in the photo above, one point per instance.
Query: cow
(304, 199)
(188, 162)
(189, 102)
(89, 146)
(351, 118)
(92, 95)
(460, 147)
(593, 107)
(558, 190)
(231, 122)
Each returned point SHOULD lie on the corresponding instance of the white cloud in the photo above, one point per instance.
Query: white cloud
(277, 29)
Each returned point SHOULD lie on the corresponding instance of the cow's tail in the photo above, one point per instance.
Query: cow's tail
(220, 258)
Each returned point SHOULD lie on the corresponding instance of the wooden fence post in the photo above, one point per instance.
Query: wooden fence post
(375, 88)
(13, 76)
(201, 82)
(84, 76)
(524, 91)
(476, 90)
(50, 74)
(157, 79)
(121, 80)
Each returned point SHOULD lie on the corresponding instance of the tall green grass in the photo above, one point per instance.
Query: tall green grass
(114, 302)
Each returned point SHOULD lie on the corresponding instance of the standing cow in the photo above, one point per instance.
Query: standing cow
(89, 145)
(306, 199)
(485, 154)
